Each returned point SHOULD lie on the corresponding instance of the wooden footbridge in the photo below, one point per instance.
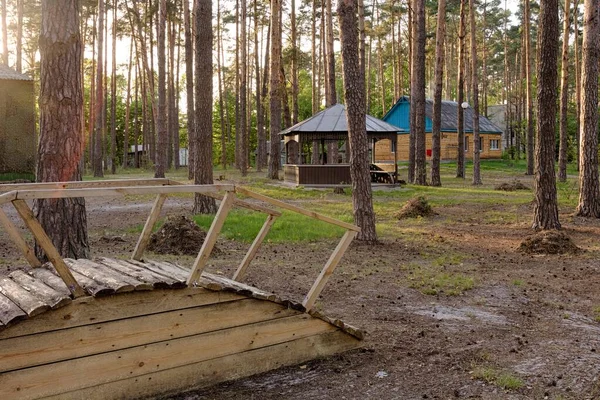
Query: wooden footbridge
(118, 329)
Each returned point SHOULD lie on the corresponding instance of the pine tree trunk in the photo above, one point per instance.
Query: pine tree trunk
(412, 138)
(262, 138)
(204, 102)
(294, 39)
(475, 83)
(4, 33)
(589, 193)
(275, 90)
(437, 95)
(189, 86)
(577, 83)
(19, 63)
(243, 136)
(223, 114)
(314, 61)
(61, 115)
(127, 108)
(529, 87)
(545, 210)
(354, 93)
(99, 102)
(418, 92)
(161, 117)
(564, 97)
(113, 95)
(460, 155)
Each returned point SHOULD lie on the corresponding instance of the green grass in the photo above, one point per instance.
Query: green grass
(290, 227)
(434, 279)
(597, 314)
(504, 380)
(12, 176)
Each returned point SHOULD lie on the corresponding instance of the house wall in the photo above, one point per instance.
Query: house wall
(449, 147)
(18, 142)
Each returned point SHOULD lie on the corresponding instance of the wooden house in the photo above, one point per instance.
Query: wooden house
(18, 142)
(490, 143)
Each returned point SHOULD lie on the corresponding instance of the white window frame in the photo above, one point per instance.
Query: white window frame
(494, 144)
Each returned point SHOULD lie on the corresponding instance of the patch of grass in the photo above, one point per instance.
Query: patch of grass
(518, 282)
(13, 176)
(433, 280)
(597, 314)
(290, 227)
(504, 380)
(448, 259)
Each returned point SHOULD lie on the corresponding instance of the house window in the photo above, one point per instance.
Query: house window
(494, 144)
(480, 144)
(466, 144)
(393, 146)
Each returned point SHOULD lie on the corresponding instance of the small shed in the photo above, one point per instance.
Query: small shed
(490, 140)
(18, 142)
(331, 126)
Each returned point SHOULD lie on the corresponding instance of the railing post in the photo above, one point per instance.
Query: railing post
(14, 234)
(140, 247)
(334, 259)
(46, 244)
(241, 271)
(211, 238)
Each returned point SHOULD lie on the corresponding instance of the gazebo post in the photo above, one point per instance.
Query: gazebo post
(323, 159)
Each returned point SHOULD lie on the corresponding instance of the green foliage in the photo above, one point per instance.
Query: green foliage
(436, 279)
(290, 227)
(504, 380)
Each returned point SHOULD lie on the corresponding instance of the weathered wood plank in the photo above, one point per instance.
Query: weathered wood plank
(16, 237)
(142, 243)
(264, 231)
(296, 209)
(65, 344)
(164, 268)
(334, 259)
(52, 379)
(93, 287)
(46, 244)
(118, 191)
(141, 274)
(87, 310)
(216, 282)
(40, 290)
(85, 184)
(22, 298)
(211, 372)
(50, 278)
(119, 282)
(8, 197)
(211, 238)
(9, 311)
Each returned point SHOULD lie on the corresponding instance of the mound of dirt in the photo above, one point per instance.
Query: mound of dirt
(415, 207)
(512, 186)
(549, 242)
(180, 236)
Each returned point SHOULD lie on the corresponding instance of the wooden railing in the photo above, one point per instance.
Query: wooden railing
(17, 195)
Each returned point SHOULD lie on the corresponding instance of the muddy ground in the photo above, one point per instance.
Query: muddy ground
(525, 330)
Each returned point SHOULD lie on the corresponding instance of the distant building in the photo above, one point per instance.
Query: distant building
(18, 139)
(490, 145)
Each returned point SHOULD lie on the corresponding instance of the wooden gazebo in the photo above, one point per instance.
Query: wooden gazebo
(327, 126)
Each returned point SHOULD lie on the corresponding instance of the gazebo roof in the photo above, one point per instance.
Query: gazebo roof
(7, 73)
(332, 120)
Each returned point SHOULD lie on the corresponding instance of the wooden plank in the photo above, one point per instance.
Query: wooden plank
(264, 231)
(52, 379)
(22, 298)
(46, 244)
(142, 243)
(118, 191)
(85, 184)
(92, 287)
(120, 283)
(244, 204)
(334, 259)
(65, 344)
(164, 268)
(87, 310)
(16, 237)
(226, 283)
(296, 209)
(211, 372)
(51, 279)
(211, 238)
(9, 311)
(8, 197)
(141, 274)
(40, 290)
